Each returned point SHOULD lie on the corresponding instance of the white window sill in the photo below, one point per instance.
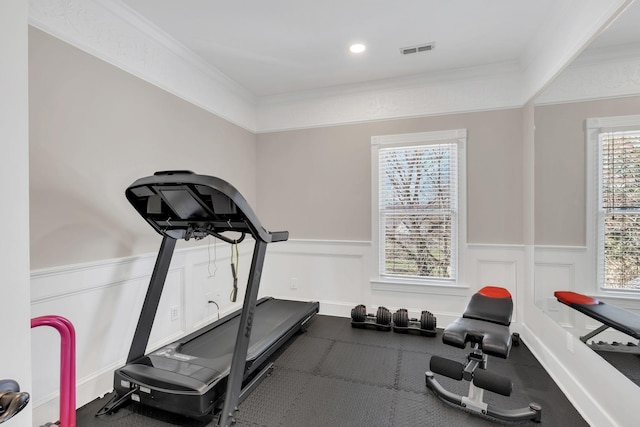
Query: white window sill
(622, 297)
(434, 287)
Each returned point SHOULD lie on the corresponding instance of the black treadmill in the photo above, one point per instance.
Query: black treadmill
(211, 370)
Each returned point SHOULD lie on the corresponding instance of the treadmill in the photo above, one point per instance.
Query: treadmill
(211, 370)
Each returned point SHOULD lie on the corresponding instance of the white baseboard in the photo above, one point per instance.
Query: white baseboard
(581, 395)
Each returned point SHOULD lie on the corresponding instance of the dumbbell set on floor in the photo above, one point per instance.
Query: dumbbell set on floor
(400, 321)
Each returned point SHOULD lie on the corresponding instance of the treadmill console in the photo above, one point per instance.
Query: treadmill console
(184, 205)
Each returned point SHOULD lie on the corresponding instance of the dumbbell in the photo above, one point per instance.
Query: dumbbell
(403, 324)
(361, 319)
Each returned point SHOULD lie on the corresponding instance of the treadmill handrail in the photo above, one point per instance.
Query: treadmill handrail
(190, 179)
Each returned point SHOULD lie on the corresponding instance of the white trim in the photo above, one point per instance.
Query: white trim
(612, 123)
(15, 360)
(564, 375)
(116, 34)
(551, 248)
(459, 136)
(113, 32)
(597, 74)
(430, 287)
(405, 139)
(575, 23)
(593, 128)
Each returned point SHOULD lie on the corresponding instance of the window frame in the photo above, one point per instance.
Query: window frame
(594, 127)
(408, 283)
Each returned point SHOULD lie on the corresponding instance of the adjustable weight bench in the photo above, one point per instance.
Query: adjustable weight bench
(485, 325)
(610, 316)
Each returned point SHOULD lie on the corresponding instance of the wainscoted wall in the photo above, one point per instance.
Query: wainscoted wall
(103, 299)
(567, 268)
(603, 395)
(313, 269)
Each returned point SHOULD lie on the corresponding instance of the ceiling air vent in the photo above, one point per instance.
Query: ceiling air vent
(417, 49)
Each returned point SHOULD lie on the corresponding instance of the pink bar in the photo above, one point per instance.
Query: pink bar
(67, 365)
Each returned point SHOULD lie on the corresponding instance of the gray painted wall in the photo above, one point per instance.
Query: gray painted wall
(94, 129)
(317, 182)
(560, 156)
(98, 128)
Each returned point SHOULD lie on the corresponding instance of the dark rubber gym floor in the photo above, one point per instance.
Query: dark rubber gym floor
(335, 375)
(627, 363)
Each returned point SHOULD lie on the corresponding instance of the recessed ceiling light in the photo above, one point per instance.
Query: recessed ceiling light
(357, 48)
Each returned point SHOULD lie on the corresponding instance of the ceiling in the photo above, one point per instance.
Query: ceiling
(286, 46)
(285, 64)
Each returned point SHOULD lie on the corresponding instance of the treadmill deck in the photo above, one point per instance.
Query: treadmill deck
(189, 376)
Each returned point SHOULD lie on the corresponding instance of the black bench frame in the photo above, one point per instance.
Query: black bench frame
(484, 324)
(609, 315)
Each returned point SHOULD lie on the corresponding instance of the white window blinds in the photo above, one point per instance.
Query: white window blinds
(619, 210)
(417, 197)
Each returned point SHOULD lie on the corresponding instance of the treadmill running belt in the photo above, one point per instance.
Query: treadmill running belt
(271, 317)
(189, 375)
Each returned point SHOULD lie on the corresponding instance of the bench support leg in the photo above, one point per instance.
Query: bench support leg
(593, 333)
(473, 402)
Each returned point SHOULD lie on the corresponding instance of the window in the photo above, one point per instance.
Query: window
(416, 204)
(615, 146)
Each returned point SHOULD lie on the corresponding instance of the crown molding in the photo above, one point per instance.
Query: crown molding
(560, 40)
(111, 31)
(599, 74)
(480, 89)
(116, 34)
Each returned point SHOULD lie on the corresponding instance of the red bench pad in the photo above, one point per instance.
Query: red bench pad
(568, 297)
(613, 316)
